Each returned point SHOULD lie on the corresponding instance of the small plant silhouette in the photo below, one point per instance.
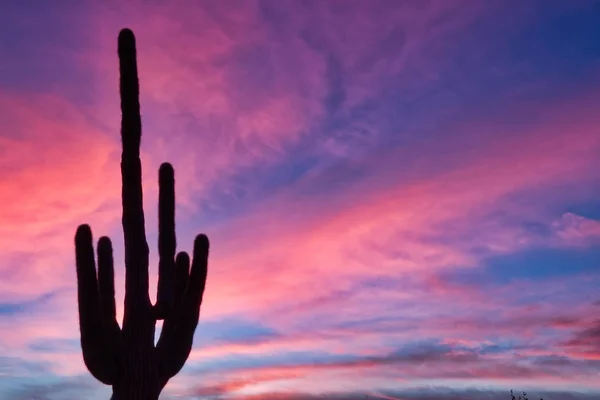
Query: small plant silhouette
(524, 397)
(126, 357)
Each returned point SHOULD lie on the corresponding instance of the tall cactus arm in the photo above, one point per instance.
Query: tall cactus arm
(167, 242)
(182, 289)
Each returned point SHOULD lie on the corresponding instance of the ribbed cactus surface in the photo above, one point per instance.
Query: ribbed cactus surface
(125, 356)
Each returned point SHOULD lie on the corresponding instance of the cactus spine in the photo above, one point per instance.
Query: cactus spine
(126, 357)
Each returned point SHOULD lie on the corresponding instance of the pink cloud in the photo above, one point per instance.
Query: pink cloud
(57, 172)
(577, 230)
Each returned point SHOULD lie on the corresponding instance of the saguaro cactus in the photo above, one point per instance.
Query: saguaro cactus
(126, 357)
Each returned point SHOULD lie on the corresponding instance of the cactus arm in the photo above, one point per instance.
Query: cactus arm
(97, 351)
(192, 298)
(167, 241)
(182, 274)
(181, 277)
(137, 300)
(106, 291)
(175, 343)
(106, 281)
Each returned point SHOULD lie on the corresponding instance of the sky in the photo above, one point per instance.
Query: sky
(402, 197)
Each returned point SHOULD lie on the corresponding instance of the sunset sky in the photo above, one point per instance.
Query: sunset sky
(402, 197)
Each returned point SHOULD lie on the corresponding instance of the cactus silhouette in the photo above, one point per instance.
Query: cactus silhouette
(126, 357)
